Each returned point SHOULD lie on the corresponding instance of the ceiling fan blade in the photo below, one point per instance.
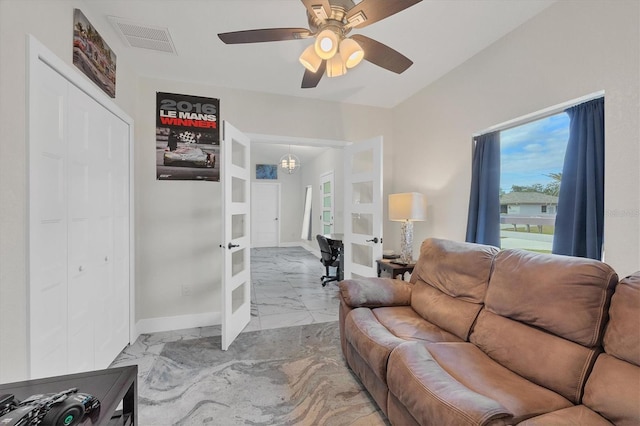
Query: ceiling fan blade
(311, 79)
(318, 6)
(376, 10)
(267, 34)
(382, 55)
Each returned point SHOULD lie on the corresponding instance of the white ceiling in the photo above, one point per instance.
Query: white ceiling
(438, 35)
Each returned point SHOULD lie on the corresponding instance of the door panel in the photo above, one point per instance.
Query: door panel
(363, 208)
(236, 274)
(48, 223)
(265, 213)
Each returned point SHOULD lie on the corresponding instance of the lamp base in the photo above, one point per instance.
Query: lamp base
(406, 247)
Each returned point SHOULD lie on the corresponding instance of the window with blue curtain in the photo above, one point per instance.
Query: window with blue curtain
(553, 169)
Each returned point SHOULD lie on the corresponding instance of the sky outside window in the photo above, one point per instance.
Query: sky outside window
(530, 152)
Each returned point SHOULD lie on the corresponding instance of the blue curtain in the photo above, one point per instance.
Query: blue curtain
(580, 218)
(483, 223)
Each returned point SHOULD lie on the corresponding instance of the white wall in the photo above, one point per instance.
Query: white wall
(571, 49)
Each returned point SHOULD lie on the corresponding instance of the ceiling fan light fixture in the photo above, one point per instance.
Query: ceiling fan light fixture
(336, 67)
(310, 60)
(326, 44)
(351, 52)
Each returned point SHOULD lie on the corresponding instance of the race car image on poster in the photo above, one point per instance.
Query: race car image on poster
(189, 157)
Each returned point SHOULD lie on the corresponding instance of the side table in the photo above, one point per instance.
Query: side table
(110, 386)
(394, 269)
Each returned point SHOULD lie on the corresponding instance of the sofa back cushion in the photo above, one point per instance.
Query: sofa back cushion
(450, 282)
(544, 317)
(622, 336)
(613, 387)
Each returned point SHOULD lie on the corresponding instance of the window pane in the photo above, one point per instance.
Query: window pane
(531, 161)
(362, 192)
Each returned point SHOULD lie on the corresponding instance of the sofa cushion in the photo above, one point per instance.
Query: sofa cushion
(450, 281)
(544, 317)
(545, 359)
(477, 372)
(578, 415)
(622, 336)
(567, 296)
(613, 390)
(371, 340)
(458, 269)
(404, 322)
(613, 387)
(432, 396)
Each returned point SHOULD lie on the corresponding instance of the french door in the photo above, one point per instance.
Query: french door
(236, 242)
(327, 210)
(362, 208)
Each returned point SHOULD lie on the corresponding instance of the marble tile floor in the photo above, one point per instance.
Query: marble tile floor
(286, 291)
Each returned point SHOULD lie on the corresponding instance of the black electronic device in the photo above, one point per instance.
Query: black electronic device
(66, 408)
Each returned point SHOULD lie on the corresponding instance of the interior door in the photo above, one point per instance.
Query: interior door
(362, 208)
(48, 304)
(236, 244)
(265, 214)
(327, 203)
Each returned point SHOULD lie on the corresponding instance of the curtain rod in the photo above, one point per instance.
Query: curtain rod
(555, 109)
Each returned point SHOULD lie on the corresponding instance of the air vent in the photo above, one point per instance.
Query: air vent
(143, 36)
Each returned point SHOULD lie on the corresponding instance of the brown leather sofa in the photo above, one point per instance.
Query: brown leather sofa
(487, 337)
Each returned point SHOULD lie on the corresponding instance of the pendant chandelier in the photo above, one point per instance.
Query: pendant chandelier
(289, 162)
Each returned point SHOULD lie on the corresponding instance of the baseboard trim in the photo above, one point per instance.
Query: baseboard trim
(155, 325)
(289, 244)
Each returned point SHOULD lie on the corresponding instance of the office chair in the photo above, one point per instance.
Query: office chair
(330, 257)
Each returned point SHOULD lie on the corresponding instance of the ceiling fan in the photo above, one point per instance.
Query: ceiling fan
(333, 52)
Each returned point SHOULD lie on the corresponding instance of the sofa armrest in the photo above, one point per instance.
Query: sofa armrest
(375, 292)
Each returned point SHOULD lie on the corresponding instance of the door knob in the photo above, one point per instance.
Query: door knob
(374, 240)
(231, 245)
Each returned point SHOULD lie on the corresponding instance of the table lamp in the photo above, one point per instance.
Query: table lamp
(407, 208)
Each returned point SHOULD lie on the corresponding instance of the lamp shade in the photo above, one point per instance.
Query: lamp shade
(410, 206)
(335, 66)
(326, 44)
(310, 59)
(351, 52)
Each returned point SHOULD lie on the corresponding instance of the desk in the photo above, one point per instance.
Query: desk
(393, 268)
(110, 386)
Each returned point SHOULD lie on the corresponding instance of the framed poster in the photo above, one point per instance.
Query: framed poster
(187, 137)
(266, 171)
(92, 55)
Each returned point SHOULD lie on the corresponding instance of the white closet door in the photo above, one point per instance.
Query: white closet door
(120, 257)
(111, 248)
(79, 222)
(81, 268)
(48, 223)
